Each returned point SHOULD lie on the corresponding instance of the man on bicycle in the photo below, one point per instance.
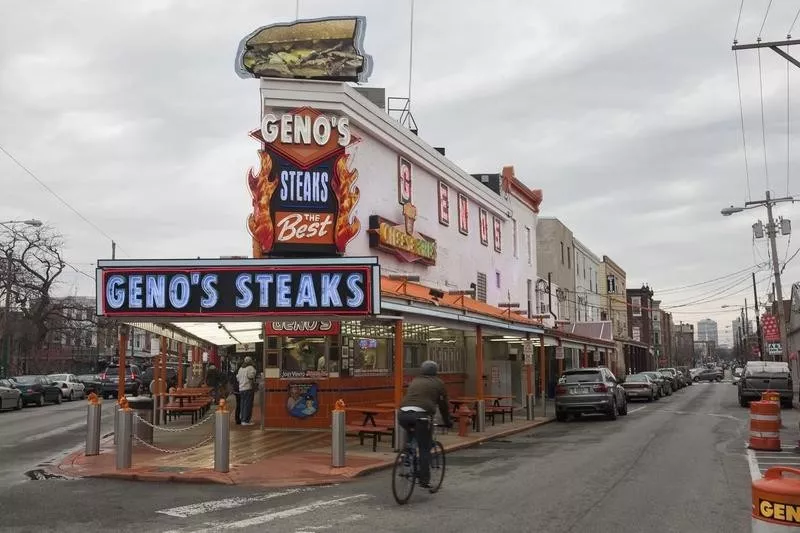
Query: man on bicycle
(425, 393)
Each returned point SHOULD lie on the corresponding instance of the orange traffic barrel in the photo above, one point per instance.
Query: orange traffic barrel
(776, 501)
(772, 396)
(765, 426)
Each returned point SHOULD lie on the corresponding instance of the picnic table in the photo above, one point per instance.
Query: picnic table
(369, 426)
(192, 401)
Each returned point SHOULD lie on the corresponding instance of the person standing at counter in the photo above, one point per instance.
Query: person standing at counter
(246, 378)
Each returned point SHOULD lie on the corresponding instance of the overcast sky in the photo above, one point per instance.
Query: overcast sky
(624, 112)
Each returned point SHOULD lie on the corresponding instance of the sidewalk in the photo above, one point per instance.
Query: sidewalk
(269, 458)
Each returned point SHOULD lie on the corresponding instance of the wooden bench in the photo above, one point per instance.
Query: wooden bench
(499, 410)
(375, 432)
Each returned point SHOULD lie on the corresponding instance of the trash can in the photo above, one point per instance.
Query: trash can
(143, 408)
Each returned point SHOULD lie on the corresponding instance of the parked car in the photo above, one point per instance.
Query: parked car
(672, 373)
(687, 378)
(761, 376)
(641, 386)
(709, 375)
(91, 383)
(589, 390)
(10, 396)
(71, 387)
(172, 377)
(109, 381)
(662, 380)
(37, 390)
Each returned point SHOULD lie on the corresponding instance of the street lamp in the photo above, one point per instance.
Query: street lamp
(772, 231)
(30, 222)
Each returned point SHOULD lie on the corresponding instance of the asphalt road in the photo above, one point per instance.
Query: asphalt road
(678, 464)
(36, 435)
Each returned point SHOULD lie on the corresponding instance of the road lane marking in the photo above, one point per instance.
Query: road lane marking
(637, 409)
(265, 518)
(752, 462)
(185, 511)
(54, 432)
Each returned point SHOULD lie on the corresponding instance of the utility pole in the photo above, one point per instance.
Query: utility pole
(113, 250)
(772, 232)
(772, 45)
(4, 370)
(759, 333)
(747, 327)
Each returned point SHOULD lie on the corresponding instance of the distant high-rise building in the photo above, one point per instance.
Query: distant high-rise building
(707, 331)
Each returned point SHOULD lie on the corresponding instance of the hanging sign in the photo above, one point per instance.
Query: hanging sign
(248, 347)
(770, 327)
(559, 352)
(303, 328)
(527, 351)
(401, 239)
(235, 289)
(774, 348)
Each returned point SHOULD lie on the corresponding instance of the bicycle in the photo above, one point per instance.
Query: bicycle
(406, 469)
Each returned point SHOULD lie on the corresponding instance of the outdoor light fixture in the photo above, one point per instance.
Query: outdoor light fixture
(403, 277)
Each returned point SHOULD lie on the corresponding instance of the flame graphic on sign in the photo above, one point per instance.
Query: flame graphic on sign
(347, 194)
(261, 188)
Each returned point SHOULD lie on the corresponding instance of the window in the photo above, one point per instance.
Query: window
(611, 284)
(636, 305)
(528, 244)
(636, 333)
(514, 246)
(480, 288)
(530, 297)
(656, 339)
(497, 278)
(562, 253)
(304, 357)
(569, 258)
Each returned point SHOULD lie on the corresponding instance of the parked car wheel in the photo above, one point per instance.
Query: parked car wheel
(614, 410)
(561, 416)
(652, 396)
(40, 400)
(697, 380)
(624, 410)
(20, 403)
(787, 404)
(71, 396)
(58, 399)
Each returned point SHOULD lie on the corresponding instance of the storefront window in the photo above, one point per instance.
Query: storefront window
(303, 357)
(367, 349)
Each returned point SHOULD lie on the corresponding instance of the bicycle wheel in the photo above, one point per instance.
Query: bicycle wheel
(437, 466)
(403, 477)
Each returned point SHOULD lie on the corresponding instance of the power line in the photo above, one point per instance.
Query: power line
(722, 294)
(763, 127)
(788, 124)
(738, 20)
(765, 20)
(789, 33)
(30, 173)
(741, 119)
(738, 272)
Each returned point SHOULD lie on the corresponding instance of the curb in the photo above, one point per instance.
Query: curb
(201, 478)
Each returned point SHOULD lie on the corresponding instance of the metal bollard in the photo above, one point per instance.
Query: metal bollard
(125, 440)
(222, 438)
(530, 403)
(338, 432)
(93, 416)
(116, 422)
(399, 432)
(481, 414)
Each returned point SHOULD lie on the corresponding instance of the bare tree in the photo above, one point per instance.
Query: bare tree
(32, 263)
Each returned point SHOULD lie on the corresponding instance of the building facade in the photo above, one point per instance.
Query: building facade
(587, 292)
(555, 256)
(640, 328)
(683, 341)
(707, 331)
(615, 307)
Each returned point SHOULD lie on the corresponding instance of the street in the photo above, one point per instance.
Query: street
(678, 464)
(38, 434)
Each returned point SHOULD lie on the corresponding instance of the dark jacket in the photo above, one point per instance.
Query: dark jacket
(428, 392)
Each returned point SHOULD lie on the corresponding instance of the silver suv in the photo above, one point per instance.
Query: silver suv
(588, 391)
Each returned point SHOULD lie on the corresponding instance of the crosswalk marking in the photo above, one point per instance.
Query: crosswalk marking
(265, 518)
(186, 511)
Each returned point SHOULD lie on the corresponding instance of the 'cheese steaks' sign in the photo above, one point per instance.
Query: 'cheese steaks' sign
(304, 193)
(401, 239)
(237, 289)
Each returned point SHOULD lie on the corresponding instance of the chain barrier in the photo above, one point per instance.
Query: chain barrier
(164, 450)
(174, 430)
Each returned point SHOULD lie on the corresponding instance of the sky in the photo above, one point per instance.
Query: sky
(624, 112)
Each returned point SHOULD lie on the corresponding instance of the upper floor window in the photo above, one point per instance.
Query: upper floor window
(529, 244)
(611, 284)
(514, 246)
(636, 305)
